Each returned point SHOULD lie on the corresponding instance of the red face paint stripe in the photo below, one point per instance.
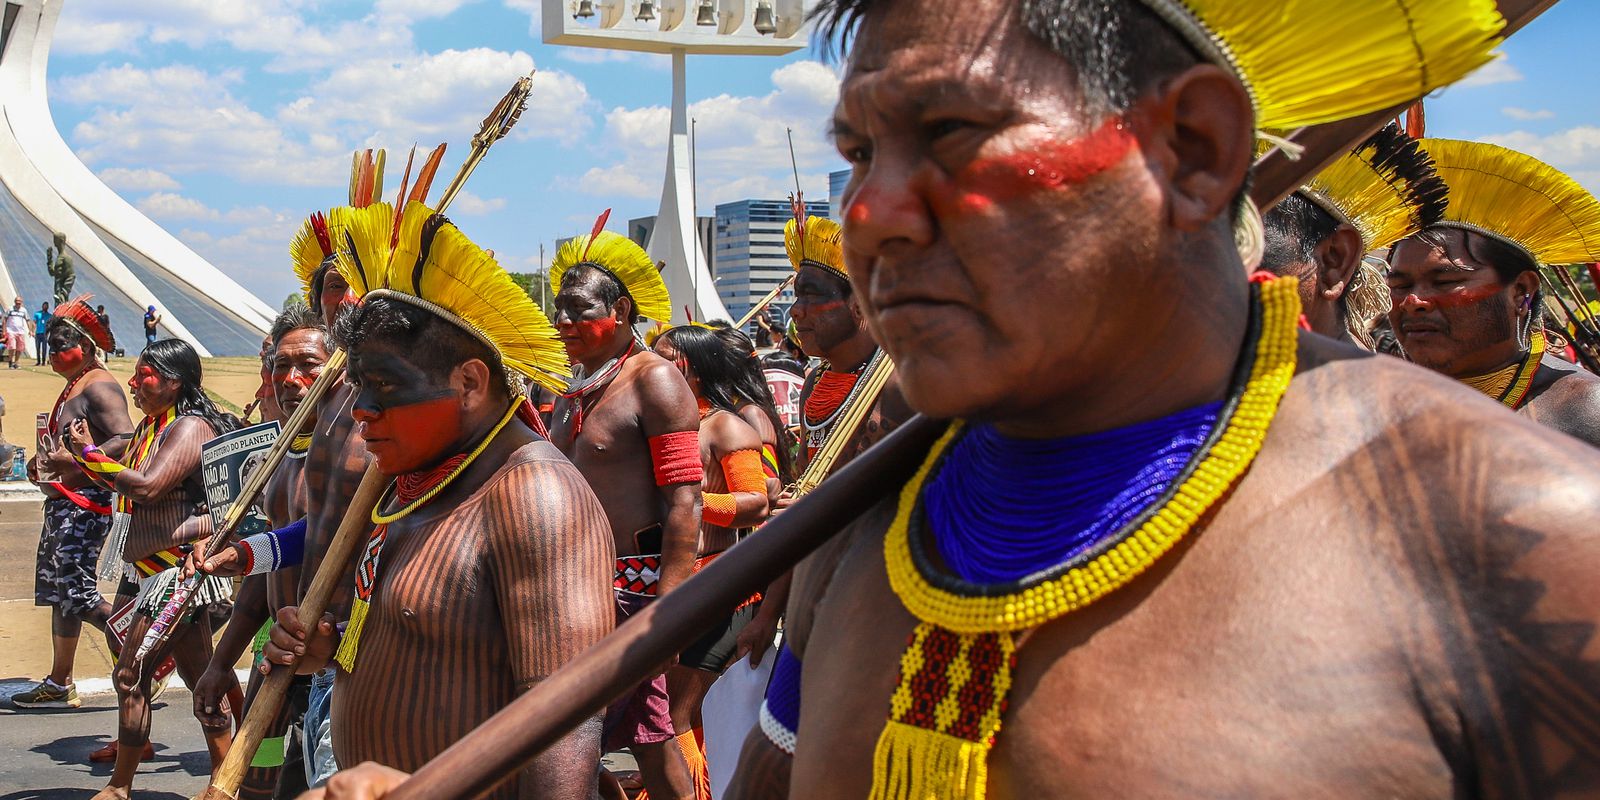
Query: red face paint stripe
(1051, 164)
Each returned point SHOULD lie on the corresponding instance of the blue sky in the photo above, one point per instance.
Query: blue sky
(227, 121)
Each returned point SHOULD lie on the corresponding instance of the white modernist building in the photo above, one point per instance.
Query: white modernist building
(121, 257)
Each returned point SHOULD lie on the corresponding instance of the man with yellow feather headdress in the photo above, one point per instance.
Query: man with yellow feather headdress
(1157, 552)
(630, 424)
(1466, 291)
(1381, 192)
(490, 562)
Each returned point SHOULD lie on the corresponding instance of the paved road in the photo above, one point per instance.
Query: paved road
(43, 754)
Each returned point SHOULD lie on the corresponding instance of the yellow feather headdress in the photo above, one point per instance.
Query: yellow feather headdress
(624, 260)
(1312, 61)
(1387, 189)
(321, 236)
(434, 266)
(1517, 199)
(818, 244)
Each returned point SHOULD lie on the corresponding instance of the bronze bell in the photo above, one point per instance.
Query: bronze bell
(706, 14)
(647, 11)
(585, 9)
(764, 24)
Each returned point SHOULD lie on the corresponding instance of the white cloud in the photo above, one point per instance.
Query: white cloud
(175, 207)
(1499, 70)
(1575, 151)
(291, 31)
(535, 16)
(468, 204)
(438, 96)
(419, 9)
(742, 147)
(253, 252)
(181, 120)
(1527, 115)
(137, 180)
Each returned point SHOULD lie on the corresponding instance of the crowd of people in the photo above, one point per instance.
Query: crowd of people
(1234, 504)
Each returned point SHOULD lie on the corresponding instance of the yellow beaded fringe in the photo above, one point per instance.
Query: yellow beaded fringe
(1234, 450)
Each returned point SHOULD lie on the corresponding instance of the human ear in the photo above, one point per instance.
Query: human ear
(1523, 289)
(1199, 125)
(472, 380)
(1338, 256)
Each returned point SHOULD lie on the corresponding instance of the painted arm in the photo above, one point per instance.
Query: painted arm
(178, 458)
(250, 610)
(670, 414)
(551, 563)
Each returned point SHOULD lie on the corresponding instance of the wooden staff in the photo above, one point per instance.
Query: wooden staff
(352, 531)
(763, 303)
(357, 517)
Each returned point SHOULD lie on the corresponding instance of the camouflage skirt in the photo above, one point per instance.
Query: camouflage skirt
(69, 548)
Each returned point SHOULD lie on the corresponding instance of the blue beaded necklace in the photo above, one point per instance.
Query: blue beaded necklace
(1001, 509)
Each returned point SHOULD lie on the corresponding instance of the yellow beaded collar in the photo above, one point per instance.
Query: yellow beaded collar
(1510, 384)
(955, 673)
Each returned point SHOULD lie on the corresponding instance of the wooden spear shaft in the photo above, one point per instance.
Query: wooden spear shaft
(276, 686)
(762, 303)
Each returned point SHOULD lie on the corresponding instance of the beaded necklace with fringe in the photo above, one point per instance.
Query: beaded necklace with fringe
(955, 672)
(413, 491)
(1509, 385)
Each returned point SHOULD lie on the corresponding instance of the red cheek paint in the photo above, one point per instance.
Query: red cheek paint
(66, 362)
(412, 437)
(1459, 298)
(1049, 165)
(591, 334)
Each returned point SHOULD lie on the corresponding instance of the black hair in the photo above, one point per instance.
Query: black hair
(1292, 230)
(433, 344)
(1116, 48)
(724, 361)
(60, 323)
(175, 360)
(607, 287)
(296, 316)
(314, 302)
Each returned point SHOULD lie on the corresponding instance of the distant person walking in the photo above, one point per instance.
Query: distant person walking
(16, 332)
(105, 322)
(151, 320)
(41, 319)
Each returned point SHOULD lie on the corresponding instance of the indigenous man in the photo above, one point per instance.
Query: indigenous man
(629, 423)
(829, 323)
(77, 513)
(1466, 291)
(1101, 583)
(1383, 191)
(300, 345)
(491, 560)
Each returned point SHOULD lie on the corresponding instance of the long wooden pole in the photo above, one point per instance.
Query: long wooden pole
(763, 303)
(225, 784)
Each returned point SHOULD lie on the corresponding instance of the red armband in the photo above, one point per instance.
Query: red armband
(676, 458)
(718, 509)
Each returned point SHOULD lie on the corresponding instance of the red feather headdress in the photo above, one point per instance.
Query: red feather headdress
(80, 315)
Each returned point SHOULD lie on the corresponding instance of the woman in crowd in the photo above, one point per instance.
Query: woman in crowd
(159, 510)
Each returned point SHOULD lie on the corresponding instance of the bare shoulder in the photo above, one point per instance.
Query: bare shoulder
(731, 432)
(816, 573)
(1570, 403)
